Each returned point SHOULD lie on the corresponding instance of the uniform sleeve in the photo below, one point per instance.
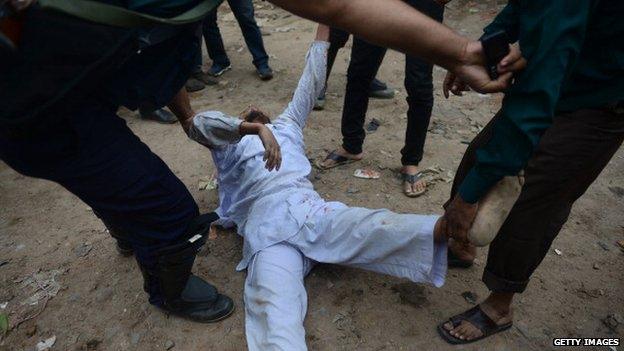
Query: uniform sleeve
(554, 31)
(507, 20)
(215, 129)
(310, 85)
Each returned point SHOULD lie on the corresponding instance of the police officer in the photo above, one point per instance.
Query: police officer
(81, 143)
(63, 84)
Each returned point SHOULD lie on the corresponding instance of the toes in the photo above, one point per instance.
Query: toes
(448, 326)
(461, 331)
(420, 186)
(467, 331)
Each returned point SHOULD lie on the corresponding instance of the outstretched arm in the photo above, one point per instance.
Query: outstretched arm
(396, 25)
(312, 80)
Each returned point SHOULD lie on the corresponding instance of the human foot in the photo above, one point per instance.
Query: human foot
(337, 158)
(490, 317)
(461, 255)
(413, 183)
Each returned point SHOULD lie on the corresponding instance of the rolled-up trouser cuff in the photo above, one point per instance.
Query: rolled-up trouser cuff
(498, 284)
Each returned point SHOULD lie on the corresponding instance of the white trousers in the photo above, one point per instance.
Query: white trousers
(378, 240)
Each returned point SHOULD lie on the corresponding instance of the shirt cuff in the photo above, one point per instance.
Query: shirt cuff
(475, 185)
(320, 44)
(215, 129)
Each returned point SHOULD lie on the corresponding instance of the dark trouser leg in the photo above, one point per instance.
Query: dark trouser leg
(365, 61)
(419, 88)
(197, 67)
(94, 155)
(337, 40)
(244, 12)
(569, 157)
(214, 41)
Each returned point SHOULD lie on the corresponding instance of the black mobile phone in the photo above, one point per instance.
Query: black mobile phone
(495, 48)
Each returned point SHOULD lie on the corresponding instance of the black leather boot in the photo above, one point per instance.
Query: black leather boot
(183, 293)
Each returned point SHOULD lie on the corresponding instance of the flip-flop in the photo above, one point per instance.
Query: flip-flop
(340, 160)
(413, 179)
(455, 262)
(477, 318)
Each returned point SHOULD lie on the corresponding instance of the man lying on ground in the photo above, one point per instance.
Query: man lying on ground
(286, 225)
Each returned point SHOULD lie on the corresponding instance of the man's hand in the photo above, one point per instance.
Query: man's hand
(472, 70)
(272, 151)
(454, 85)
(459, 216)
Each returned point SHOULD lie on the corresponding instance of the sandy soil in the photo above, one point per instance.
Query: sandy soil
(95, 300)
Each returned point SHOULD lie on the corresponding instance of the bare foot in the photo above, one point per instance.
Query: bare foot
(500, 313)
(329, 163)
(464, 252)
(413, 189)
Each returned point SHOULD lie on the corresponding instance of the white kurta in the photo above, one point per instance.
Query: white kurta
(267, 207)
(287, 226)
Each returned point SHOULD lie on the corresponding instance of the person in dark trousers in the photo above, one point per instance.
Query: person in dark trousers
(365, 61)
(337, 40)
(244, 13)
(561, 121)
(59, 122)
(79, 141)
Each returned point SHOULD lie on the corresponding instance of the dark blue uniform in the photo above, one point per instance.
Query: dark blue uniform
(88, 149)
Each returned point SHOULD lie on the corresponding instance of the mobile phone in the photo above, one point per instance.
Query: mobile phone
(495, 48)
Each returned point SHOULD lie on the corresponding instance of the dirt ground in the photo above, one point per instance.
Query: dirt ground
(61, 277)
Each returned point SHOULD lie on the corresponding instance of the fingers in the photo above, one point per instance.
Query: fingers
(515, 66)
(448, 82)
(513, 61)
(273, 157)
(500, 84)
(454, 85)
(458, 88)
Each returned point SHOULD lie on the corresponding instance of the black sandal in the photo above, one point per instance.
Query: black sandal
(476, 317)
(340, 160)
(455, 262)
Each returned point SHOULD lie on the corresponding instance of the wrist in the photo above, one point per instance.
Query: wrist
(247, 128)
(186, 123)
(471, 54)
